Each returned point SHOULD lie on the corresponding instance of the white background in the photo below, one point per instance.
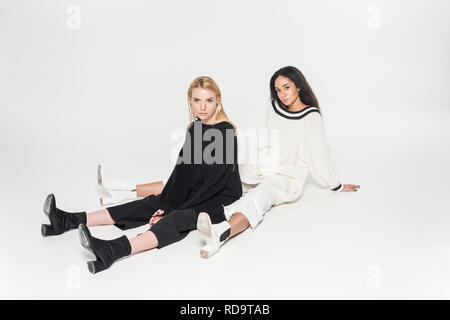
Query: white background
(89, 82)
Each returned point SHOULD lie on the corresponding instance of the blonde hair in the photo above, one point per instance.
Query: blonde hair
(207, 83)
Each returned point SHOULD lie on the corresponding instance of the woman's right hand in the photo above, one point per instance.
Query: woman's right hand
(350, 188)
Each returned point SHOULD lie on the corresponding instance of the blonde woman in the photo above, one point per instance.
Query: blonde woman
(205, 179)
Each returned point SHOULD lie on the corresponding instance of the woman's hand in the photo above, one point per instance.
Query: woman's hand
(350, 188)
(156, 217)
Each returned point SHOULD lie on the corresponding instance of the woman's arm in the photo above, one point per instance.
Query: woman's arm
(317, 154)
(319, 161)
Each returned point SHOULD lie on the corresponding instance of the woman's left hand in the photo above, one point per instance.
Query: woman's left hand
(350, 188)
(156, 217)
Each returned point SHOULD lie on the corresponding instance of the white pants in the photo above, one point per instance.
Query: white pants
(259, 198)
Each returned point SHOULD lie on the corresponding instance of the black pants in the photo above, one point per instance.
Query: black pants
(173, 227)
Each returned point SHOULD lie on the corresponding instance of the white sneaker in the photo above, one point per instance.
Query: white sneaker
(111, 184)
(118, 197)
(214, 234)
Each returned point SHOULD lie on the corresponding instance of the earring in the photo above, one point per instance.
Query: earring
(190, 107)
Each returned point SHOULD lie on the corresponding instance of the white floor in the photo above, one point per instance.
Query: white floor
(389, 240)
(112, 89)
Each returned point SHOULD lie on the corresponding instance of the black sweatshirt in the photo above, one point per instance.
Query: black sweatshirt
(206, 176)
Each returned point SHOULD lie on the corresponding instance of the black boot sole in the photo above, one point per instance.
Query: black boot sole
(85, 237)
(85, 240)
(49, 201)
(47, 229)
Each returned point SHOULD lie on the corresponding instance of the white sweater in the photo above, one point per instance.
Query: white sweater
(302, 149)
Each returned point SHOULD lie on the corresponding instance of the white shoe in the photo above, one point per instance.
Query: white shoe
(118, 197)
(214, 234)
(111, 184)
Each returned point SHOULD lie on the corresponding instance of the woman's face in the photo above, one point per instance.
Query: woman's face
(203, 103)
(286, 90)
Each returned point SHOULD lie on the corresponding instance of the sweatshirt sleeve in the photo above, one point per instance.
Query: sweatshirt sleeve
(317, 153)
(216, 180)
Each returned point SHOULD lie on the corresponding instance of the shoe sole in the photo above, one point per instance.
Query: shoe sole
(99, 174)
(84, 238)
(91, 266)
(43, 230)
(204, 254)
(86, 243)
(100, 180)
(204, 226)
(47, 204)
(49, 201)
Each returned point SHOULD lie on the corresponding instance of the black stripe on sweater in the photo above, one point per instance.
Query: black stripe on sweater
(337, 188)
(303, 112)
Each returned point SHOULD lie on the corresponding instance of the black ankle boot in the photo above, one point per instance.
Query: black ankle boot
(106, 251)
(60, 221)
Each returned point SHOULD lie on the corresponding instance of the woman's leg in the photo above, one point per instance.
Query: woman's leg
(125, 216)
(216, 234)
(145, 190)
(238, 223)
(105, 251)
(118, 191)
(255, 203)
(109, 251)
(139, 191)
(174, 226)
(144, 241)
(99, 218)
(60, 221)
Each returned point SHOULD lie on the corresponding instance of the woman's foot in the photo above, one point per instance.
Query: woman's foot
(117, 197)
(106, 251)
(111, 184)
(60, 221)
(114, 191)
(214, 234)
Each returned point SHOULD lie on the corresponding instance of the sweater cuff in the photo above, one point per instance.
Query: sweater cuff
(338, 188)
